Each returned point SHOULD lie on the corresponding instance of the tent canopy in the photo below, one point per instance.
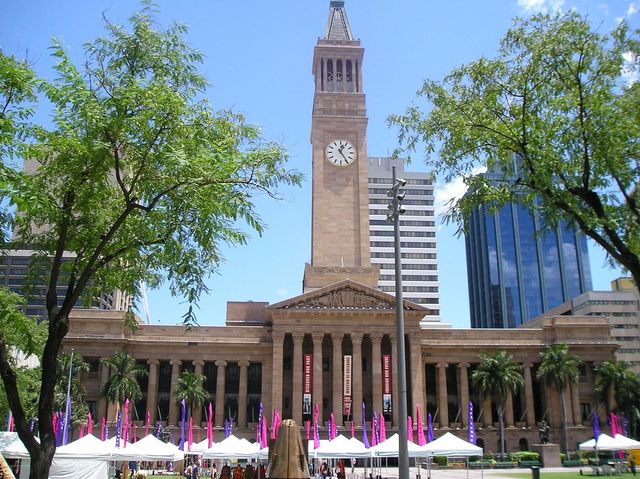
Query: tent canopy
(391, 448)
(451, 445)
(341, 447)
(232, 447)
(605, 443)
(87, 447)
(149, 448)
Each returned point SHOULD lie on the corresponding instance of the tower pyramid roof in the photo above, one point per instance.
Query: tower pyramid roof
(338, 25)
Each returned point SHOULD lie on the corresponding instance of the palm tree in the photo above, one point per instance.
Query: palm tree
(190, 387)
(79, 409)
(619, 389)
(559, 369)
(496, 376)
(122, 383)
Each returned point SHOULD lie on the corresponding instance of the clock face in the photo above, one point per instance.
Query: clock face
(341, 153)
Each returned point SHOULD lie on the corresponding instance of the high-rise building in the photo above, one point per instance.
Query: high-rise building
(621, 306)
(417, 234)
(518, 268)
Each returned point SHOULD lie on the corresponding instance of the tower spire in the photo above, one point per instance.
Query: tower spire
(338, 25)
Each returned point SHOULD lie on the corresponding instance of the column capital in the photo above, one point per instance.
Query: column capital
(337, 337)
(442, 365)
(298, 336)
(197, 362)
(153, 361)
(221, 363)
(175, 362)
(244, 363)
(527, 365)
(376, 337)
(277, 336)
(357, 338)
(463, 365)
(317, 337)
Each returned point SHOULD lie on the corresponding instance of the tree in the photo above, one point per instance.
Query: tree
(190, 387)
(137, 176)
(559, 369)
(122, 383)
(496, 376)
(618, 388)
(79, 408)
(554, 118)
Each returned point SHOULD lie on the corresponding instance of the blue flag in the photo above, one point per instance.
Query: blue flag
(118, 426)
(472, 427)
(429, 428)
(184, 413)
(596, 427)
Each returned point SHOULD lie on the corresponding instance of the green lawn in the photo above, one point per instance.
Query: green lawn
(555, 475)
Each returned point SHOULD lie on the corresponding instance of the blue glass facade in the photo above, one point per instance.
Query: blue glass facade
(517, 268)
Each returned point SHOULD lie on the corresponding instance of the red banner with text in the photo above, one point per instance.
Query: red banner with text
(346, 390)
(306, 396)
(386, 384)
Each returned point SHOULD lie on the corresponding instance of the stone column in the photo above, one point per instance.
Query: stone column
(443, 405)
(376, 371)
(242, 394)
(220, 387)
(173, 405)
(394, 380)
(417, 375)
(336, 370)
(298, 379)
(276, 383)
(528, 395)
(359, 67)
(575, 403)
(102, 402)
(317, 393)
(152, 390)
(265, 387)
(487, 413)
(356, 379)
(463, 385)
(508, 410)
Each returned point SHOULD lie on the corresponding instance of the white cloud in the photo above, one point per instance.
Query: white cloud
(452, 190)
(541, 5)
(282, 292)
(630, 70)
(632, 8)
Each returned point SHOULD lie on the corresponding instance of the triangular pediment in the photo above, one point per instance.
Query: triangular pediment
(344, 296)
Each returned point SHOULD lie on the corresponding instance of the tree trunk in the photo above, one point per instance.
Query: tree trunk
(565, 430)
(501, 423)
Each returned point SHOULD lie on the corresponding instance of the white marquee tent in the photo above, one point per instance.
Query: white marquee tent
(149, 448)
(342, 448)
(391, 448)
(232, 447)
(608, 443)
(451, 445)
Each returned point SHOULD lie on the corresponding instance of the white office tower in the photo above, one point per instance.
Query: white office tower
(417, 235)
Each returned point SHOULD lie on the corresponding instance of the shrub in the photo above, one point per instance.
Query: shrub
(440, 460)
(525, 456)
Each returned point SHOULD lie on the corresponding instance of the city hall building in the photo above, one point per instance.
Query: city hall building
(334, 345)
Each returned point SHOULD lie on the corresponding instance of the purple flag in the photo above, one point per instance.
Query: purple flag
(429, 428)
(32, 424)
(118, 425)
(365, 439)
(596, 427)
(259, 428)
(67, 423)
(472, 427)
(625, 425)
(158, 429)
(184, 414)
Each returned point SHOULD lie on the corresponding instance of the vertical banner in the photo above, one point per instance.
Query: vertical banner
(346, 388)
(386, 384)
(307, 381)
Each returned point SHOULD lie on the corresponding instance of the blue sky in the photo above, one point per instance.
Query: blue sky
(258, 60)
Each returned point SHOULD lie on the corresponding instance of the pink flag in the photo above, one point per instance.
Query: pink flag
(614, 424)
(125, 422)
(81, 430)
(146, 425)
(353, 429)
(278, 422)
(307, 426)
(273, 424)
(190, 438)
(316, 437)
(333, 426)
(210, 425)
(264, 433)
(89, 423)
(135, 433)
(374, 441)
(421, 440)
(410, 428)
(382, 428)
(102, 424)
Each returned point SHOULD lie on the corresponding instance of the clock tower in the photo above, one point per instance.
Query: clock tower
(340, 215)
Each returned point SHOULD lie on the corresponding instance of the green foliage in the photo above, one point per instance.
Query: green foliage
(440, 460)
(122, 383)
(618, 388)
(496, 376)
(555, 120)
(525, 456)
(190, 387)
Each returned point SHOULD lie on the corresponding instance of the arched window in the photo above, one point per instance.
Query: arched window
(524, 444)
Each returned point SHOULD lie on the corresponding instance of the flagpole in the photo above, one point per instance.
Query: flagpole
(65, 434)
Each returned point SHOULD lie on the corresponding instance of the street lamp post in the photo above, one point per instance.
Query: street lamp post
(395, 210)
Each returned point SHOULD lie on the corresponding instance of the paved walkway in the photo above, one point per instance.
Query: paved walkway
(392, 473)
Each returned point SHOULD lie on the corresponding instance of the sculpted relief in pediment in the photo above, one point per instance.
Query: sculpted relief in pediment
(342, 299)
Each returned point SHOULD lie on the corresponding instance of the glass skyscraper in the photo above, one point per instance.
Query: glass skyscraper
(518, 268)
